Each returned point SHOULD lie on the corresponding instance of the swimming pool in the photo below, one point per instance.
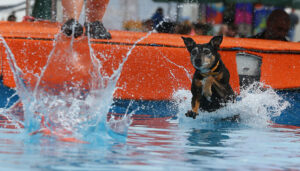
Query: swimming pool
(145, 134)
(160, 138)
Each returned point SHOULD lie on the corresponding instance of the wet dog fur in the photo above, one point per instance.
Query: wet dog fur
(210, 85)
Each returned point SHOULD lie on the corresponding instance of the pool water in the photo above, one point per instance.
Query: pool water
(118, 134)
(161, 138)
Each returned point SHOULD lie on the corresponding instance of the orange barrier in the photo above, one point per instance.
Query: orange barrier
(157, 66)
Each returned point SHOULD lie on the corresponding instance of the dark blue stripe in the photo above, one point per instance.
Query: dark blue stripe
(165, 108)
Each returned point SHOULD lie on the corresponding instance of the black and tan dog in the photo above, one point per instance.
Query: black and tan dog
(210, 85)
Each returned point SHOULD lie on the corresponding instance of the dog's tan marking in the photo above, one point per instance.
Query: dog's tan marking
(198, 83)
(217, 83)
(196, 107)
(211, 61)
(219, 76)
(212, 73)
(206, 89)
(213, 81)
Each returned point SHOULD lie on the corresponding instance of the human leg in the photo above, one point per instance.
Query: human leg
(72, 10)
(95, 10)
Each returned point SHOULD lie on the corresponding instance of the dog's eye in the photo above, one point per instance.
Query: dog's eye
(194, 52)
(206, 52)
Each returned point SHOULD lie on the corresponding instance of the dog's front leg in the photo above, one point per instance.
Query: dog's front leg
(195, 104)
(195, 107)
(196, 91)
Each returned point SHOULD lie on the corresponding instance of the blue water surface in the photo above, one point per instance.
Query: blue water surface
(157, 140)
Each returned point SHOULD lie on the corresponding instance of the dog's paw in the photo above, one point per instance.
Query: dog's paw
(191, 114)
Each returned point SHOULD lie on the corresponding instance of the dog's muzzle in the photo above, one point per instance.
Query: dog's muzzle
(197, 62)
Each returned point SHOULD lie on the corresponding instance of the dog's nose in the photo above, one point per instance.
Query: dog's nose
(198, 62)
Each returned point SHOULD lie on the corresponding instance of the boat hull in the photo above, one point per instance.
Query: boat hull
(158, 66)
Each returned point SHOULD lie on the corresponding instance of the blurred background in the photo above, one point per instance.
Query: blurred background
(232, 18)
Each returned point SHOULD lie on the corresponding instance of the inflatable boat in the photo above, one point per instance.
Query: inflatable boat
(159, 64)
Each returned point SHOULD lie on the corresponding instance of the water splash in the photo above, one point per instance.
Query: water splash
(256, 105)
(74, 107)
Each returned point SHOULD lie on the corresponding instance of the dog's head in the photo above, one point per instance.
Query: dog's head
(203, 56)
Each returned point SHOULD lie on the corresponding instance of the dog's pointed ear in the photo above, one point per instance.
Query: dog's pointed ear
(189, 43)
(216, 41)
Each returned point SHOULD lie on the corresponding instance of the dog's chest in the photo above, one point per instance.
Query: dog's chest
(203, 79)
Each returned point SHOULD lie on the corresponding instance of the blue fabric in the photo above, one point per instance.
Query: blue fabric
(157, 18)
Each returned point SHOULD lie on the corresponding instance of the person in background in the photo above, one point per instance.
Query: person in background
(147, 25)
(198, 28)
(294, 21)
(167, 26)
(12, 17)
(202, 28)
(232, 30)
(95, 10)
(229, 30)
(158, 16)
(278, 25)
(223, 30)
(184, 28)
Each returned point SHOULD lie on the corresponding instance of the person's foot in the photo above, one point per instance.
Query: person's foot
(96, 30)
(70, 25)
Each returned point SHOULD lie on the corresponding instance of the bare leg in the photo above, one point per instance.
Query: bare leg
(72, 9)
(95, 9)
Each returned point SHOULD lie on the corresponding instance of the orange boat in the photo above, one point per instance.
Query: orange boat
(159, 64)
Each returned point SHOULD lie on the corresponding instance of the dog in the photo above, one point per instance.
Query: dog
(210, 85)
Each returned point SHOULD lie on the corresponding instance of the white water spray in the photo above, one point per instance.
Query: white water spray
(256, 105)
(71, 108)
